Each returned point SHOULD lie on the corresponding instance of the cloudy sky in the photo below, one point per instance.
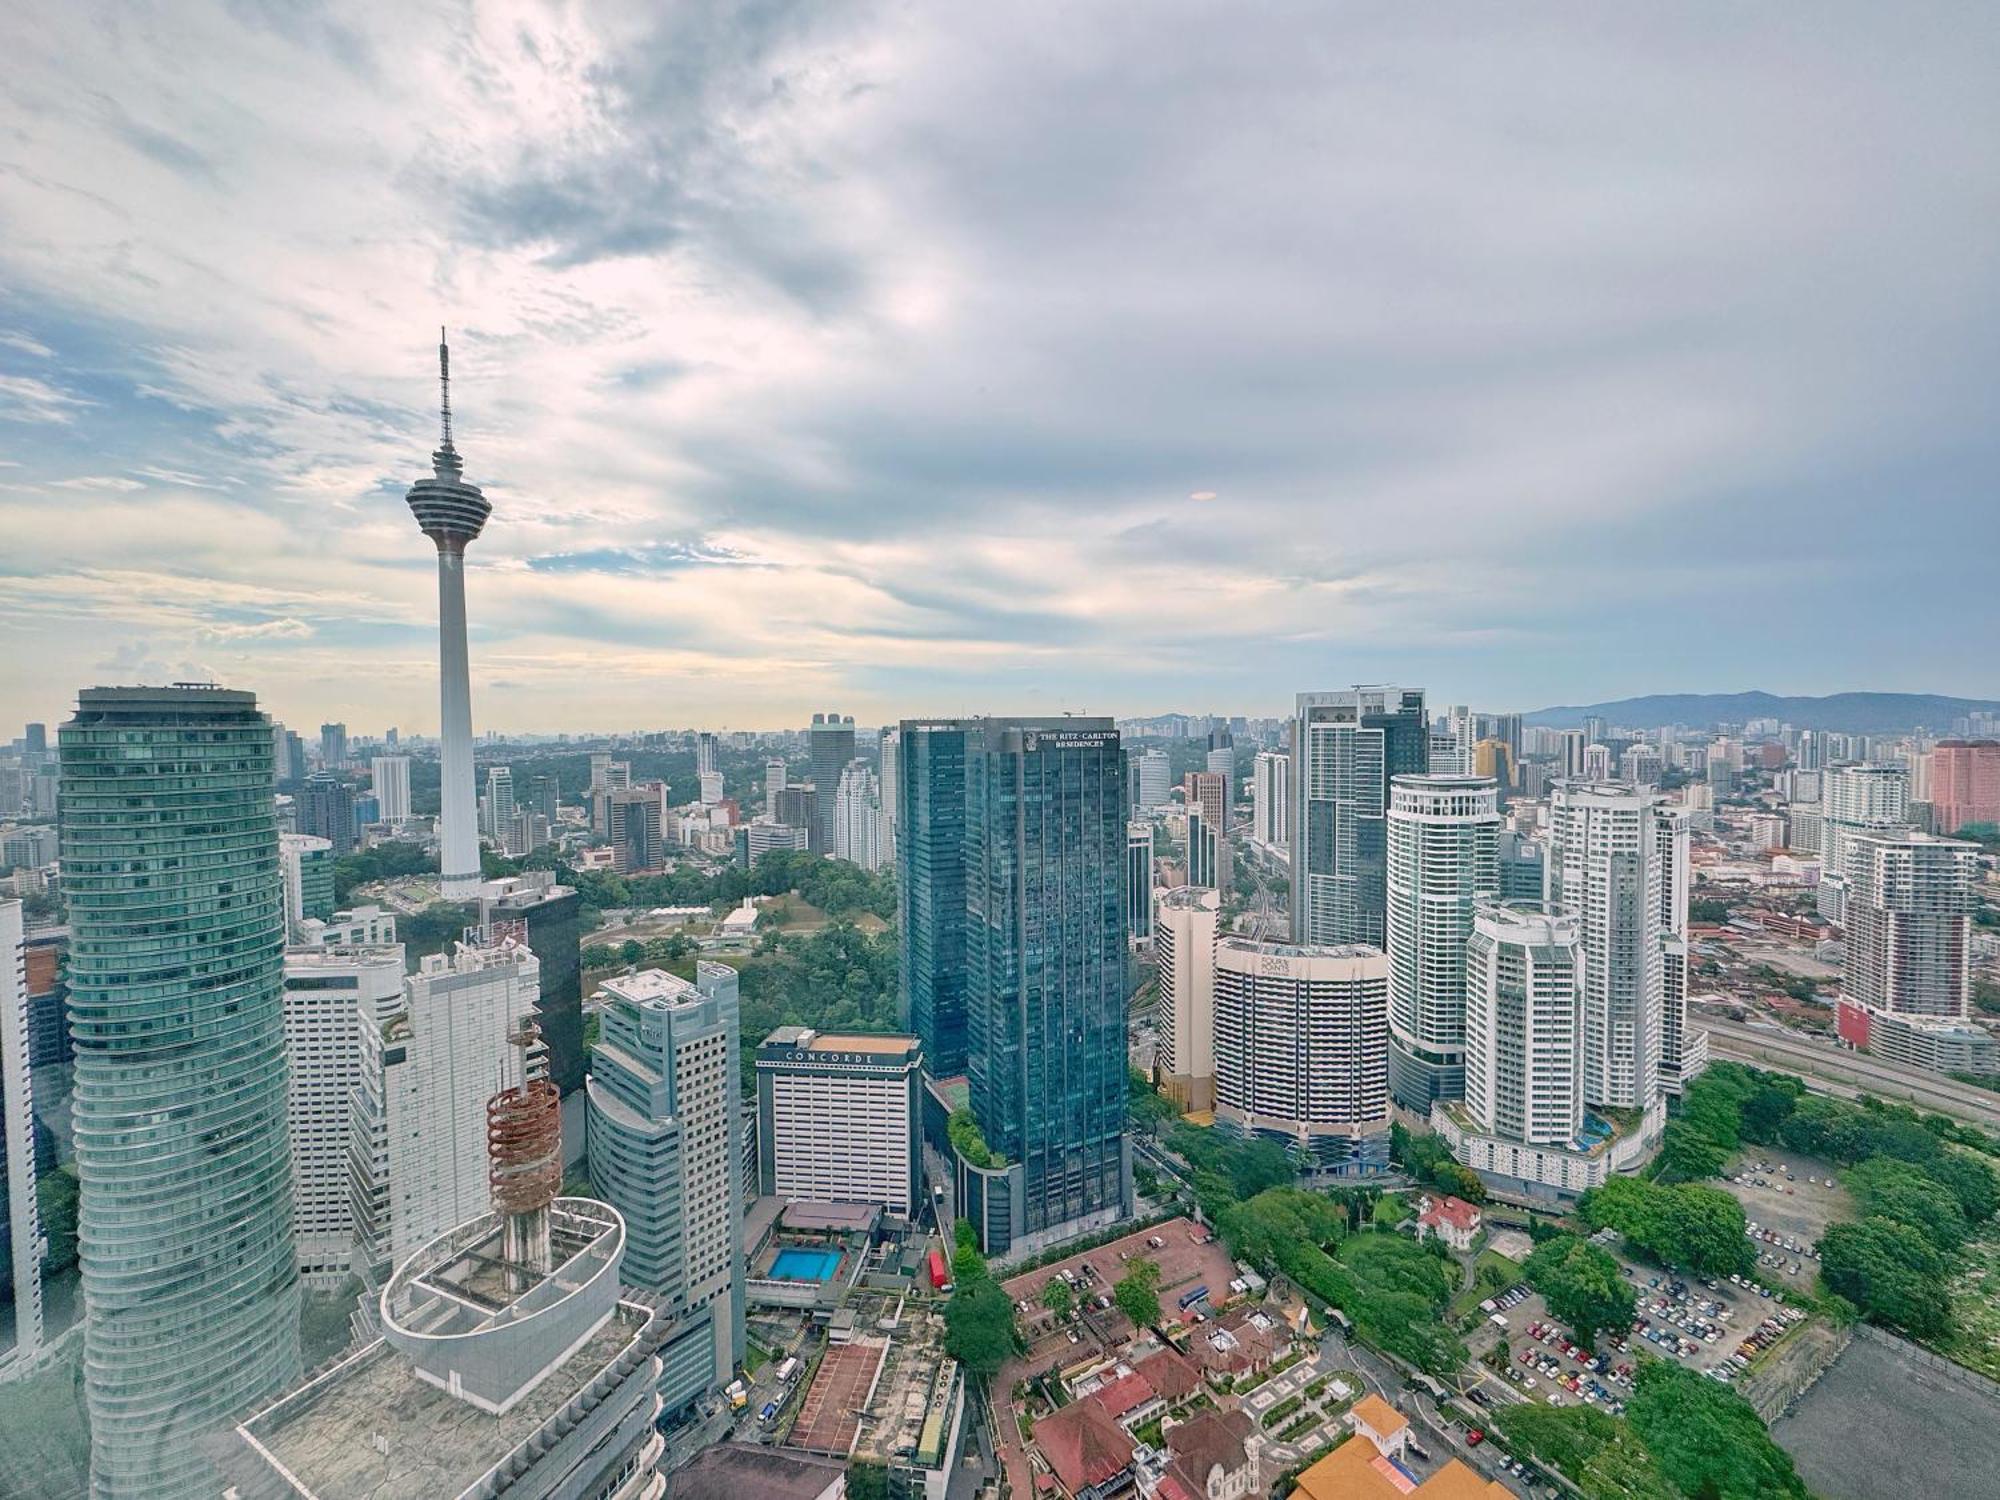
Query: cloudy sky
(909, 358)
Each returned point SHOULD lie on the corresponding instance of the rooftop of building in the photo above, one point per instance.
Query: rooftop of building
(751, 1471)
(1083, 1445)
(370, 1429)
(651, 987)
(1454, 1212)
(791, 1039)
(909, 1409)
(1266, 948)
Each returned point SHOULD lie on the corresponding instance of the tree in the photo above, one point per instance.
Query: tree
(1058, 1298)
(1582, 1285)
(56, 1199)
(979, 1325)
(1708, 1441)
(1138, 1293)
(1890, 1272)
(1146, 1106)
(1893, 1190)
(1688, 1226)
(867, 1480)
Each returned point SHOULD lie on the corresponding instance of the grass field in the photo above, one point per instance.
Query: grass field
(1492, 1274)
(1975, 1307)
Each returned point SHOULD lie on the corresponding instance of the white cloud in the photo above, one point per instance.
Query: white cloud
(1484, 330)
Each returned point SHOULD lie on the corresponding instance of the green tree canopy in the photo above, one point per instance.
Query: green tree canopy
(1688, 1226)
(979, 1325)
(1057, 1297)
(1896, 1190)
(1582, 1285)
(1708, 1441)
(1891, 1272)
(1138, 1293)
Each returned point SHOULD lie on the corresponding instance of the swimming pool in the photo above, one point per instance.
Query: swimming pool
(805, 1265)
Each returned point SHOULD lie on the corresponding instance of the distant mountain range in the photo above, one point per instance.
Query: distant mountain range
(1856, 713)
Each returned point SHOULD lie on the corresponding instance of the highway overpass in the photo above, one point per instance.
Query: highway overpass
(1837, 1070)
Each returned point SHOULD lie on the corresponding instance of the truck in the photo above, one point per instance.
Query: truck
(769, 1414)
(940, 1277)
(789, 1369)
(738, 1396)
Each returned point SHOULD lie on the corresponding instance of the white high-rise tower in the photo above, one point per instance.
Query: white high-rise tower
(452, 513)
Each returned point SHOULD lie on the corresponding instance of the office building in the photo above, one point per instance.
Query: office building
(333, 746)
(1271, 799)
(1443, 859)
(532, 908)
(20, 1219)
(664, 1151)
(755, 840)
(544, 798)
(306, 866)
(1524, 1026)
(176, 978)
(1045, 962)
(29, 848)
(1596, 762)
(1221, 762)
(1965, 783)
(632, 828)
(331, 992)
(798, 805)
(509, 1364)
(829, 747)
(452, 513)
(888, 760)
(857, 821)
(1138, 880)
(1910, 899)
(389, 777)
(1497, 760)
(1603, 867)
(930, 886)
(1211, 861)
(1302, 1048)
(496, 807)
(1346, 747)
(1152, 773)
(45, 953)
(1520, 868)
(419, 1143)
(1207, 792)
(707, 748)
(1184, 933)
(290, 750)
(837, 1118)
(326, 811)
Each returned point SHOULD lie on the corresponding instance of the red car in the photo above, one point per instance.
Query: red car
(1474, 1438)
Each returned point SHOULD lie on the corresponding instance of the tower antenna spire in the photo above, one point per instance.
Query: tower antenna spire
(444, 385)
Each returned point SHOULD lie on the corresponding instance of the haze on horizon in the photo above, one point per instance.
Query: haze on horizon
(905, 359)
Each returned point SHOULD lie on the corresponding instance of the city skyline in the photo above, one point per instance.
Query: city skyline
(797, 426)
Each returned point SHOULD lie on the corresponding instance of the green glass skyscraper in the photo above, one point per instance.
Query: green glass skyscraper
(176, 969)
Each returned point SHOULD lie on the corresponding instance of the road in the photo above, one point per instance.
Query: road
(1439, 1435)
(1835, 1070)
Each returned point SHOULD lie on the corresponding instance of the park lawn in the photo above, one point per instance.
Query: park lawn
(1391, 1209)
(1481, 1289)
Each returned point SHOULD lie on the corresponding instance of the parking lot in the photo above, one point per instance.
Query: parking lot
(1187, 1258)
(1795, 1195)
(1716, 1328)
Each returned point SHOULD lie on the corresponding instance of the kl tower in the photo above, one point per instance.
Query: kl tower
(451, 513)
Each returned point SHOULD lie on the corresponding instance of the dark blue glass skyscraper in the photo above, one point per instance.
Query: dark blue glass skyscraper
(930, 881)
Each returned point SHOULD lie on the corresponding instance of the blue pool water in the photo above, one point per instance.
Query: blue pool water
(805, 1265)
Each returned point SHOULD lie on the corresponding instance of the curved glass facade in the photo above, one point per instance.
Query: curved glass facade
(170, 867)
